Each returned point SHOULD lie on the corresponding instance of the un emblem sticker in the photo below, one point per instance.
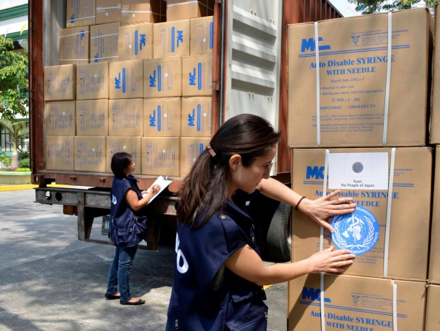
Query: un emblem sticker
(358, 233)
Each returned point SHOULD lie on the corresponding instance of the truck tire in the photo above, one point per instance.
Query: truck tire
(279, 234)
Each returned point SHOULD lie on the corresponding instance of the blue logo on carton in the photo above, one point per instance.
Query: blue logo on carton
(195, 77)
(211, 35)
(72, 18)
(156, 78)
(140, 40)
(312, 294)
(158, 118)
(309, 45)
(121, 81)
(193, 117)
(153, 119)
(96, 58)
(315, 172)
(82, 35)
(176, 39)
(357, 232)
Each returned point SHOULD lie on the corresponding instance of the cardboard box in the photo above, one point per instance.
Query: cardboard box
(162, 117)
(163, 77)
(171, 38)
(74, 45)
(60, 118)
(89, 154)
(126, 117)
(354, 303)
(92, 81)
(353, 69)
(160, 156)
(183, 9)
(108, 11)
(197, 75)
(135, 42)
(190, 149)
(432, 321)
(126, 79)
(104, 42)
(434, 137)
(59, 82)
(80, 13)
(196, 117)
(143, 11)
(92, 117)
(363, 175)
(59, 152)
(202, 36)
(131, 145)
(434, 255)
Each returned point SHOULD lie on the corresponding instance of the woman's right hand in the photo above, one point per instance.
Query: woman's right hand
(330, 260)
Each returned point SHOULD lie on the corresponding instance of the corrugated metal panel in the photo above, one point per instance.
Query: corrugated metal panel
(253, 53)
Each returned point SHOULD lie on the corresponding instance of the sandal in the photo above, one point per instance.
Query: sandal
(134, 303)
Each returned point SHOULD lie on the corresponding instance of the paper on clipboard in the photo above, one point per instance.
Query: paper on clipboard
(163, 183)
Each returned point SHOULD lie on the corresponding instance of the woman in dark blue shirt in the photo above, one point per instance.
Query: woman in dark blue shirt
(219, 274)
(127, 226)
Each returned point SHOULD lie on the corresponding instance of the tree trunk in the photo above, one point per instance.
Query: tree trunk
(14, 158)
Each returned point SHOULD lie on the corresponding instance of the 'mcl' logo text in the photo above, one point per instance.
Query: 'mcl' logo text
(312, 294)
(315, 172)
(309, 45)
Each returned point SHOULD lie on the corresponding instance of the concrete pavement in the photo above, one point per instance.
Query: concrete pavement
(51, 281)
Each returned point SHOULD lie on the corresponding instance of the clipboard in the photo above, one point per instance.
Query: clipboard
(163, 182)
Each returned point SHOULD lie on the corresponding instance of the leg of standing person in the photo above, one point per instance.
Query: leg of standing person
(126, 257)
(112, 284)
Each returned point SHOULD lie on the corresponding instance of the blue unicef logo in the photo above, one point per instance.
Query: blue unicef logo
(358, 233)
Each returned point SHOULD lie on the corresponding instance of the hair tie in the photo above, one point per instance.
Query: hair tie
(210, 150)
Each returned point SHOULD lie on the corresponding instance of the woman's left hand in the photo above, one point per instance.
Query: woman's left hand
(320, 210)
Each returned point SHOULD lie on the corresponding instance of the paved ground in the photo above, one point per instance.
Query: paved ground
(51, 281)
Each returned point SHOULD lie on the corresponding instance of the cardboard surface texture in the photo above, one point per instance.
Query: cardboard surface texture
(135, 42)
(196, 117)
(59, 82)
(92, 117)
(108, 11)
(80, 13)
(355, 303)
(60, 118)
(131, 145)
(143, 11)
(197, 75)
(89, 154)
(364, 232)
(434, 255)
(126, 79)
(163, 77)
(171, 39)
(160, 156)
(432, 308)
(92, 81)
(434, 137)
(183, 9)
(353, 59)
(190, 149)
(59, 152)
(162, 117)
(202, 35)
(104, 42)
(74, 45)
(126, 117)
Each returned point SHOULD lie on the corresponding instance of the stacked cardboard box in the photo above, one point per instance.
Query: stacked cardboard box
(129, 97)
(389, 231)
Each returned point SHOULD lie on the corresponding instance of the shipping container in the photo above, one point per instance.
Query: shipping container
(249, 75)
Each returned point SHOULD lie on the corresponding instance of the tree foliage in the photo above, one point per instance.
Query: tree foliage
(375, 6)
(14, 97)
(18, 131)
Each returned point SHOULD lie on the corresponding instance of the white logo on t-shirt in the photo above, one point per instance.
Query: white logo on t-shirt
(184, 267)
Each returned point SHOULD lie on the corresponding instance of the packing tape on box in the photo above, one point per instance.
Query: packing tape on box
(182, 3)
(105, 35)
(101, 9)
(74, 34)
(71, 20)
(387, 85)
(387, 237)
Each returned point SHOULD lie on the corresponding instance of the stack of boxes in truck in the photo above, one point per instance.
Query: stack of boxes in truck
(358, 117)
(131, 80)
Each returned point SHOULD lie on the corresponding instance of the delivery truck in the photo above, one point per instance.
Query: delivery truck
(249, 74)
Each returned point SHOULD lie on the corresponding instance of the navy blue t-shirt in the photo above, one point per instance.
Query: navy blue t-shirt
(206, 295)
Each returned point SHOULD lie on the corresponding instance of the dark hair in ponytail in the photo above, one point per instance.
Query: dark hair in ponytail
(205, 187)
